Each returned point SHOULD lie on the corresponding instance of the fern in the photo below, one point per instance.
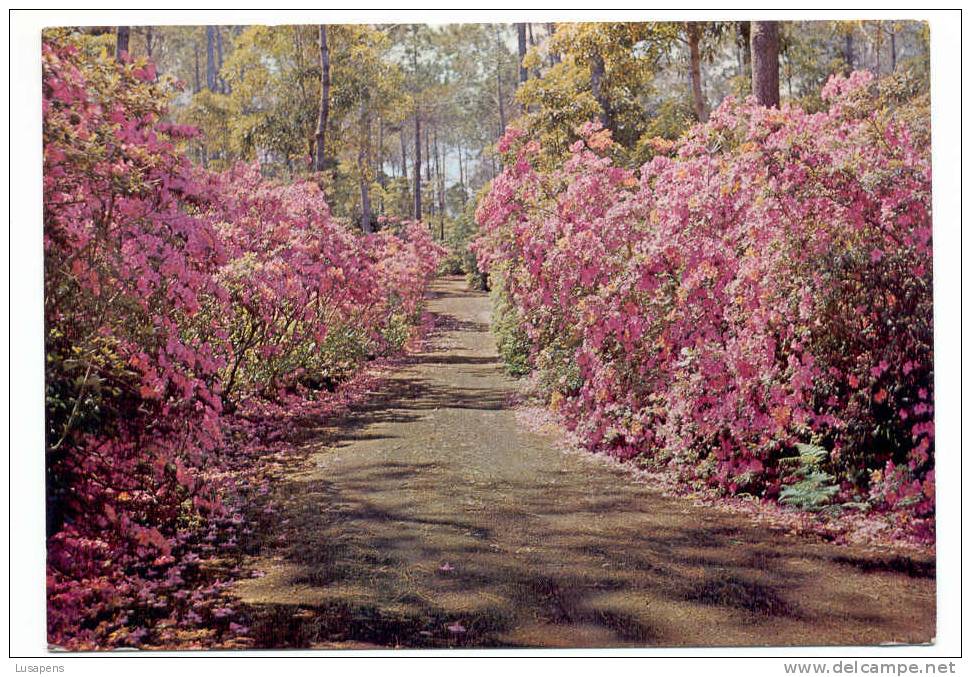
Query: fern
(815, 488)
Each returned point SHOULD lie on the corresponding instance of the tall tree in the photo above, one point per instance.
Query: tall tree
(893, 46)
(211, 58)
(219, 61)
(523, 72)
(848, 55)
(364, 168)
(693, 31)
(439, 185)
(320, 156)
(597, 73)
(461, 168)
(554, 55)
(765, 62)
(606, 73)
(428, 156)
(404, 152)
(197, 81)
(521, 35)
(743, 48)
(379, 155)
(502, 109)
(416, 210)
(150, 39)
(121, 41)
(532, 45)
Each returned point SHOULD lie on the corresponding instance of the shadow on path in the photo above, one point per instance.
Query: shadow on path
(431, 519)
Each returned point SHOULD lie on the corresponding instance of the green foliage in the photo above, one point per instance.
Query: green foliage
(396, 197)
(558, 103)
(461, 260)
(268, 111)
(396, 332)
(557, 366)
(343, 350)
(671, 119)
(563, 99)
(511, 338)
(89, 374)
(815, 488)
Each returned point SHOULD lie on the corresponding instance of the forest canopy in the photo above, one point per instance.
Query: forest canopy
(441, 96)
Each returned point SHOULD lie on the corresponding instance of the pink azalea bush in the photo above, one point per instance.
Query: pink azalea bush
(762, 282)
(308, 299)
(176, 302)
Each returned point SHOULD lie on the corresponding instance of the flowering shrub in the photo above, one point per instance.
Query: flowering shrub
(762, 282)
(172, 297)
(308, 299)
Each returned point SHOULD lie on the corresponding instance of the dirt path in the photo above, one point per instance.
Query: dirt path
(435, 520)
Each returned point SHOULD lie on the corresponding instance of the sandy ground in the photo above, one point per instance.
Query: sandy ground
(431, 519)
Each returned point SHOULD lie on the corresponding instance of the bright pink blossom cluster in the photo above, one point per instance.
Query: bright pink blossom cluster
(175, 301)
(765, 281)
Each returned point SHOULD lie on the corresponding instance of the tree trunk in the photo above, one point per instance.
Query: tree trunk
(441, 191)
(521, 34)
(532, 44)
(697, 93)
(428, 157)
(404, 152)
(893, 49)
(320, 157)
(417, 162)
(379, 159)
(219, 61)
(379, 165)
(197, 86)
(597, 73)
(877, 50)
(219, 49)
(211, 58)
(744, 46)
(364, 165)
(502, 109)
(461, 169)
(440, 185)
(553, 56)
(765, 62)
(121, 42)
(848, 50)
(205, 148)
(149, 42)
